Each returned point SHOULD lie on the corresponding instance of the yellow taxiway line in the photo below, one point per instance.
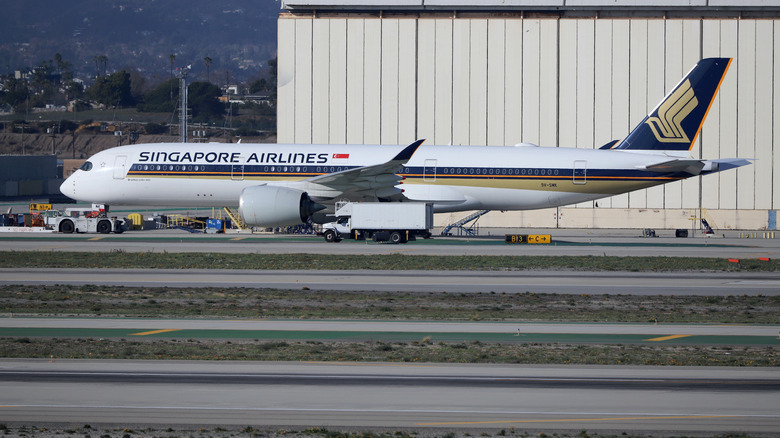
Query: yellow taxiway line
(564, 420)
(667, 338)
(154, 332)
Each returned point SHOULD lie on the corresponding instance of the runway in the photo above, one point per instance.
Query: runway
(579, 282)
(420, 396)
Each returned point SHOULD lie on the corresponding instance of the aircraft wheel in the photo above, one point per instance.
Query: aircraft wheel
(67, 227)
(104, 227)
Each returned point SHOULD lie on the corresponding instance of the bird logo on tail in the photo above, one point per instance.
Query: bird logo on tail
(667, 127)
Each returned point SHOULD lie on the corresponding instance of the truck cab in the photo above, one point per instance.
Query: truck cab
(342, 227)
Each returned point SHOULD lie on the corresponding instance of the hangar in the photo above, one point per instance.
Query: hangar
(574, 73)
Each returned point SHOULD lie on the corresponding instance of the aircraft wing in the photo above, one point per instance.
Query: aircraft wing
(375, 181)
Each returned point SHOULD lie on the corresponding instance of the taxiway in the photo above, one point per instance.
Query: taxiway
(419, 396)
(594, 283)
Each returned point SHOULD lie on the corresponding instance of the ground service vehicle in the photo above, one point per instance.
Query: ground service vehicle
(396, 222)
(84, 220)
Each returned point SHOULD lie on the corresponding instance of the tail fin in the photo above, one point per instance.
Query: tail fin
(675, 123)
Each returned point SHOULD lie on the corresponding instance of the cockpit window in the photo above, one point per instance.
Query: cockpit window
(86, 167)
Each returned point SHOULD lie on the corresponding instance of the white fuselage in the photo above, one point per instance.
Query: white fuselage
(454, 178)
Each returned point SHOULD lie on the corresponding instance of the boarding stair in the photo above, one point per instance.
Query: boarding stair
(462, 227)
(186, 223)
(699, 215)
(235, 218)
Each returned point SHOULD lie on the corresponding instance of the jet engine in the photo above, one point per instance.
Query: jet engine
(271, 206)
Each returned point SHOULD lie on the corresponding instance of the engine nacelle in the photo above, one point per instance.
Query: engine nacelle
(271, 206)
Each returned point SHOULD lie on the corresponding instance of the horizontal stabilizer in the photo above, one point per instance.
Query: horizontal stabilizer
(722, 164)
(693, 167)
(696, 167)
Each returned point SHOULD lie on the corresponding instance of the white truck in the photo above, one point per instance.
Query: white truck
(396, 222)
(83, 220)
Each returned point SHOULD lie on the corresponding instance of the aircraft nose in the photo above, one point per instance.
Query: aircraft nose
(68, 188)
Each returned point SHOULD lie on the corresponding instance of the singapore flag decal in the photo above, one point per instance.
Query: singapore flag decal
(341, 156)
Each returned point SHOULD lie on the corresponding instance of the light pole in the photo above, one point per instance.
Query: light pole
(183, 93)
(53, 138)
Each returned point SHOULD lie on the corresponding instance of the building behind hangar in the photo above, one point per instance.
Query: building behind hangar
(573, 73)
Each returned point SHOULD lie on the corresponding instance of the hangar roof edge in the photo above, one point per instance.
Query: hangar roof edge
(531, 5)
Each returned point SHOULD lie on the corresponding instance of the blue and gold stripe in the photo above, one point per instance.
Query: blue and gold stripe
(552, 179)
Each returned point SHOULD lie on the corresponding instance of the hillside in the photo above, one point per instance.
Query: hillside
(85, 144)
(238, 35)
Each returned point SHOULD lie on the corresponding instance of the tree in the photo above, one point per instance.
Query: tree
(16, 92)
(80, 105)
(207, 61)
(159, 99)
(204, 101)
(104, 60)
(258, 86)
(137, 83)
(42, 84)
(152, 128)
(68, 126)
(273, 63)
(112, 90)
(62, 65)
(100, 61)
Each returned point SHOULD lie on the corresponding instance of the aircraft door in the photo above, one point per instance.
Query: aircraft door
(237, 170)
(580, 172)
(429, 172)
(120, 167)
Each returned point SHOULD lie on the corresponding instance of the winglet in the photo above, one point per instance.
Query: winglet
(408, 151)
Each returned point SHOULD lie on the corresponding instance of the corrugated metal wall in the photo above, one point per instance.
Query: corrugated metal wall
(554, 82)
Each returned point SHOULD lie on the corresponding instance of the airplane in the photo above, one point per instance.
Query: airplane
(279, 185)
